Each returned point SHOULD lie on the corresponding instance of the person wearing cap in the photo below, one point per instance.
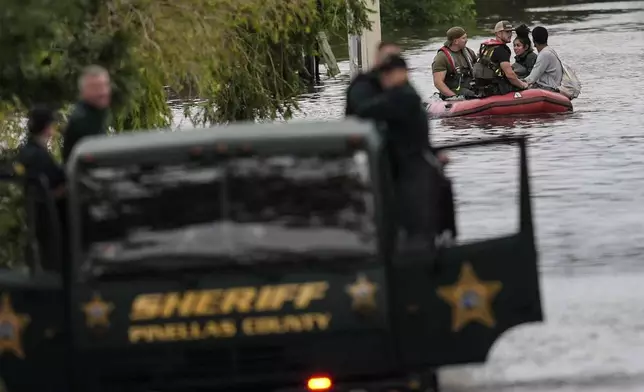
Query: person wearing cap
(493, 72)
(548, 72)
(366, 85)
(424, 194)
(398, 105)
(452, 66)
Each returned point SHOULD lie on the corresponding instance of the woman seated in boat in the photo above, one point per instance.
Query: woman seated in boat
(525, 56)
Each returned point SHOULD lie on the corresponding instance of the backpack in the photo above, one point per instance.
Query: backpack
(570, 84)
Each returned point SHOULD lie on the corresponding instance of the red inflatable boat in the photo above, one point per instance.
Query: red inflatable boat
(524, 102)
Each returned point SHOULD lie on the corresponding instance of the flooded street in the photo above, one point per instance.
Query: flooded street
(588, 182)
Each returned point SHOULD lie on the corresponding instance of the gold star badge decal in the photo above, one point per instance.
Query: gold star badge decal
(97, 312)
(470, 298)
(363, 293)
(11, 327)
(19, 169)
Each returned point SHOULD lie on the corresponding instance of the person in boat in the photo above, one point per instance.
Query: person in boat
(493, 72)
(548, 70)
(367, 84)
(452, 66)
(524, 54)
(38, 163)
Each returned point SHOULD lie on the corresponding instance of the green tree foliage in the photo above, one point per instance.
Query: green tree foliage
(12, 219)
(240, 56)
(228, 60)
(426, 13)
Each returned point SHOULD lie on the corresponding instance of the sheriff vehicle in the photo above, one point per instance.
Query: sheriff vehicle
(251, 257)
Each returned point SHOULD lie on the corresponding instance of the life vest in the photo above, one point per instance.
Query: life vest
(452, 62)
(493, 42)
(485, 64)
(457, 77)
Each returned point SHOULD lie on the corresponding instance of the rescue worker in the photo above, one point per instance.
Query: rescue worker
(414, 162)
(367, 84)
(452, 66)
(524, 54)
(90, 115)
(493, 72)
(39, 163)
(548, 72)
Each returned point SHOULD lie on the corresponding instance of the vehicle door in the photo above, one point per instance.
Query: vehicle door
(453, 304)
(31, 310)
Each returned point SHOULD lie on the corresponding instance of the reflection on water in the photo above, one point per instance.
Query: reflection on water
(587, 167)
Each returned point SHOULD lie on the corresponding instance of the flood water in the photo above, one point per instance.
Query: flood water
(588, 181)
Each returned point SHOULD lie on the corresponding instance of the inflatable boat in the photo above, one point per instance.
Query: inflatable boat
(524, 102)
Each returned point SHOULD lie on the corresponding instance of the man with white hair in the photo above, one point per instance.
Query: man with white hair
(90, 114)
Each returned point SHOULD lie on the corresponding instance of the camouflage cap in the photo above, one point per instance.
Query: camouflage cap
(503, 25)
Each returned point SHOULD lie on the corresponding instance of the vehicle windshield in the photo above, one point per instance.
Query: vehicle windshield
(245, 210)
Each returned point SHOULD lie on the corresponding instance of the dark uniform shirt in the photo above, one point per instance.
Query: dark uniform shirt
(39, 163)
(501, 54)
(85, 120)
(363, 87)
(400, 108)
(406, 133)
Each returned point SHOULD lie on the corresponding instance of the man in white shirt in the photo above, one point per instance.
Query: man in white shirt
(548, 70)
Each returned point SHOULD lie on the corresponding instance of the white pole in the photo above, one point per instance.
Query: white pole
(355, 56)
(371, 38)
(362, 48)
